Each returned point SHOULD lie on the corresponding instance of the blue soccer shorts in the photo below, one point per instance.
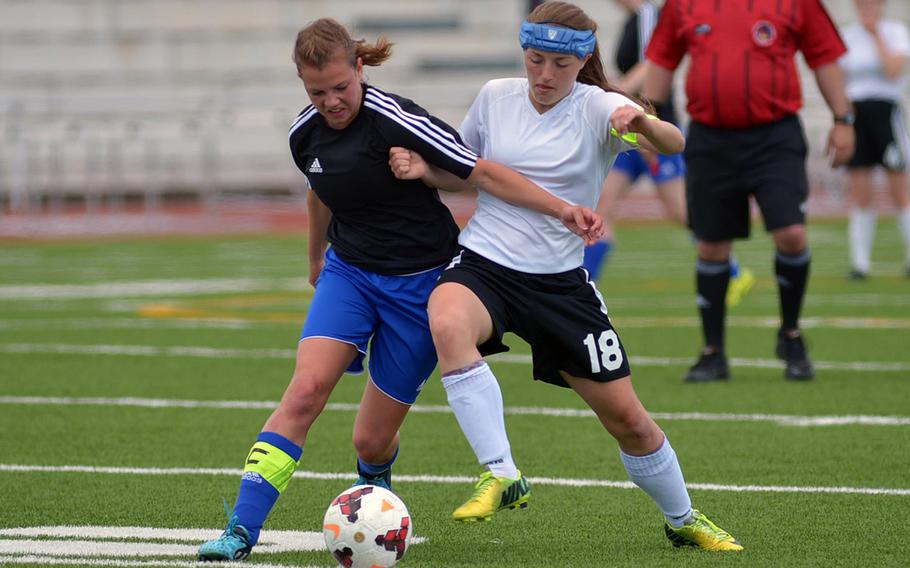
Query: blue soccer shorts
(634, 165)
(389, 313)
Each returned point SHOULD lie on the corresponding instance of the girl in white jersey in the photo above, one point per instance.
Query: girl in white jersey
(518, 271)
(874, 69)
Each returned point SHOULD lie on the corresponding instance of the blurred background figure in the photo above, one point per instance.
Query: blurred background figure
(875, 71)
(667, 172)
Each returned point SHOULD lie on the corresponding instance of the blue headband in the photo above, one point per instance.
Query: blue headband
(544, 37)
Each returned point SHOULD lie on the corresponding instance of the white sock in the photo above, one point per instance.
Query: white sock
(659, 475)
(476, 400)
(903, 223)
(861, 235)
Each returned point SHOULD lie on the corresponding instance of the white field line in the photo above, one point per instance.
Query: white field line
(151, 288)
(780, 419)
(453, 479)
(180, 287)
(127, 323)
(219, 353)
(181, 322)
(51, 560)
(767, 322)
(141, 543)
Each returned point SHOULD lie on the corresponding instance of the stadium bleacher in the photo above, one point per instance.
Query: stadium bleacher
(144, 97)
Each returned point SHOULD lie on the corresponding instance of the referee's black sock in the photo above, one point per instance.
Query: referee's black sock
(711, 280)
(792, 275)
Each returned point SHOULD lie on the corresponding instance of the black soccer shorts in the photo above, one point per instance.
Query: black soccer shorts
(726, 166)
(562, 316)
(881, 136)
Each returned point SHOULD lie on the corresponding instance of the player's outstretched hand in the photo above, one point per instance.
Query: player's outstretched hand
(583, 222)
(628, 118)
(406, 164)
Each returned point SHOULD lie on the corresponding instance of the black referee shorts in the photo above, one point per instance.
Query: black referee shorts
(725, 166)
(881, 136)
(562, 316)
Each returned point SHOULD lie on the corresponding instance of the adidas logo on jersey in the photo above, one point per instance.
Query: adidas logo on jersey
(315, 167)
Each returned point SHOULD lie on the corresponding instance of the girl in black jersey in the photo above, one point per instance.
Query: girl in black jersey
(389, 240)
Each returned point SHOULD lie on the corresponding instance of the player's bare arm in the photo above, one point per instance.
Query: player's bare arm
(504, 183)
(658, 83)
(892, 62)
(318, 225)
(654, 134)
(841, 139)
(407, 164)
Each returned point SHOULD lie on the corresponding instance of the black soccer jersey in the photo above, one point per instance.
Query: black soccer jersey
(636, 34)
(380, 223)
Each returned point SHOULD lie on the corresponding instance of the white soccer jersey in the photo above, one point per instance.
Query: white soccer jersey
(862, 65)
(567, 150)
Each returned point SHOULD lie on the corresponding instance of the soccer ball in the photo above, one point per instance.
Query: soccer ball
(367, 527)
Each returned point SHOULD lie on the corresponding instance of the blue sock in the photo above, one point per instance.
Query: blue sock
(734, 267)
(268, 469)
(596, 257)
(372, 469)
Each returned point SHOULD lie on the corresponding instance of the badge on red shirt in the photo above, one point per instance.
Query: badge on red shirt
(764, 33)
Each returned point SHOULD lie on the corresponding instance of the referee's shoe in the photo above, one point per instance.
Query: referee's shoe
(792, 349)
(711, 366)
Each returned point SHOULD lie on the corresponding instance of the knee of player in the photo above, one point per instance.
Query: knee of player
(370, 448)
(634, 429)
(304, 399)
(791, 240)
(450, 329)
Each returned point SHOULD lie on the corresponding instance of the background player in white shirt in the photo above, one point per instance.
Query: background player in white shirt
(562, 127)
(876, 78)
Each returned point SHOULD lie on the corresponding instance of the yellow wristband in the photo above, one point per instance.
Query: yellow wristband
(630, 137)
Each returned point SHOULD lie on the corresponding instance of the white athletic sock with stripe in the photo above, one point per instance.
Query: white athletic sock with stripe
(658, 474)
(903, 223)
(476, 400)
(861, 233)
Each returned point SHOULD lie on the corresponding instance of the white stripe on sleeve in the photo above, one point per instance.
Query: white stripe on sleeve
(421, 127)
(304, 116)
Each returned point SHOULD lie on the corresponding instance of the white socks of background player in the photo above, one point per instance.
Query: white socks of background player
(861, 231)
(658, 474)
(903, 223)
(476, 400)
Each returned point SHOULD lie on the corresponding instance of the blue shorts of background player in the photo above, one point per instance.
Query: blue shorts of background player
(389, 313)
(632, 165)
(664, 169)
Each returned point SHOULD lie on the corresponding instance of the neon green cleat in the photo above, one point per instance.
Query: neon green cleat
(740, 287)
(701, 532)
(493, 494)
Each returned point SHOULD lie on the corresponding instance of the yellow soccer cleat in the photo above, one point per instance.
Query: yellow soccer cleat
(739, 287)
(493, 494)
(701, 532)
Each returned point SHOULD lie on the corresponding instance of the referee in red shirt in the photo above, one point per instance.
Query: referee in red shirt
(745, 139)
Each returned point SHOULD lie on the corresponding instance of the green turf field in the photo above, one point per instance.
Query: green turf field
(135, 375)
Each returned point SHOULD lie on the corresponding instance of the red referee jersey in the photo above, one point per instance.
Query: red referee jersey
(743, 70)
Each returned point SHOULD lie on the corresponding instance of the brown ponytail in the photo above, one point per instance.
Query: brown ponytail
(320, 41)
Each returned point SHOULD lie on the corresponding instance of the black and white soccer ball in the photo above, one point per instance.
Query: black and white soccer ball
(367, 526)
